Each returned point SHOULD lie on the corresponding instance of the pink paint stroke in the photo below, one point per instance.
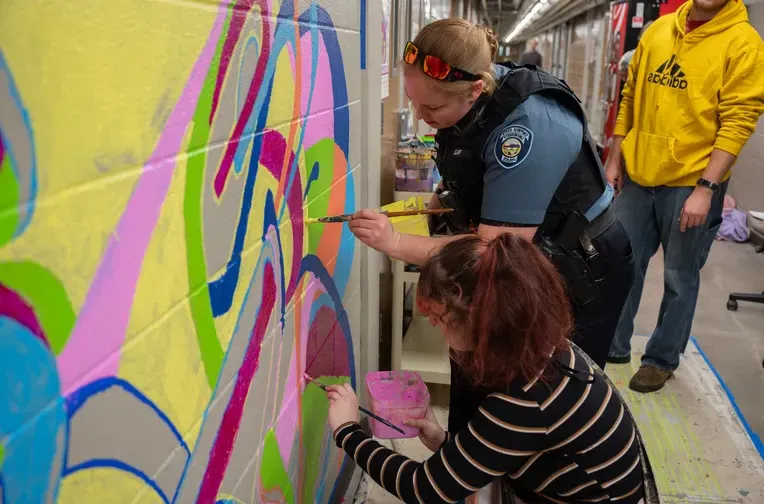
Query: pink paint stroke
(93, 348)
(320, 124)
(13, 306)
(238, 18)
(2, 151)
(222, 447)
(286, 428)
(249, 103)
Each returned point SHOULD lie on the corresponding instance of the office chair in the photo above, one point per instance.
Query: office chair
(740, 296)
(757, 236)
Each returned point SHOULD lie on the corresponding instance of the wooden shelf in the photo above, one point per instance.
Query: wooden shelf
(425, 351)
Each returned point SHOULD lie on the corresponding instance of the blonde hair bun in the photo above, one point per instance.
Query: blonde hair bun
(493, 42)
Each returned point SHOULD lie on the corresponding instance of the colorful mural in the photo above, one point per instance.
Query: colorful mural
(160, 294)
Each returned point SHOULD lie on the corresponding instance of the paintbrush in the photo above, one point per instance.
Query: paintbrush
(348, 217)
(363, 410)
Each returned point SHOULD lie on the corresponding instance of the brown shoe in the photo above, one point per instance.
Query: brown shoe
(649, 379)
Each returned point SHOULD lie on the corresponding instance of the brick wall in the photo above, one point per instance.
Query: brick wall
(160, 292)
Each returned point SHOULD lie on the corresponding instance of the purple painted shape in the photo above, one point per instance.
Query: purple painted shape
(272, 158)
(13, 306)
(272, 152)
(93, 349)
(222, 447)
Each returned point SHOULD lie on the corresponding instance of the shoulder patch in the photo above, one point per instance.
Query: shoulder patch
(513, 145)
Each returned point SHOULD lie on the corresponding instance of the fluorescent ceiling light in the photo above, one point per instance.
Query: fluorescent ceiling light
(519, 27)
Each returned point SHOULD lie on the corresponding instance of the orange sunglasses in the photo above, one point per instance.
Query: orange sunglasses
(434, 66)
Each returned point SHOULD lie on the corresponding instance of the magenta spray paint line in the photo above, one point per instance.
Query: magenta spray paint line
(361, 408)
(397, 396)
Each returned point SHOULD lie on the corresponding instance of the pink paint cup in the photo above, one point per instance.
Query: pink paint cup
(396, 396)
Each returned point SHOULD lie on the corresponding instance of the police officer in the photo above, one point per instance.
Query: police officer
(515, 156)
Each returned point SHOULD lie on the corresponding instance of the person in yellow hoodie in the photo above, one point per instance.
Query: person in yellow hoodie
(692, 99)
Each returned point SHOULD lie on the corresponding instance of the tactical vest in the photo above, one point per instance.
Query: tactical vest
(460, 148)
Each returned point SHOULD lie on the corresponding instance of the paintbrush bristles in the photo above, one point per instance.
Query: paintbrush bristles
(316, 382)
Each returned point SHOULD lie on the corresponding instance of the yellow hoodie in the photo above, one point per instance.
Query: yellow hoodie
(690, 93)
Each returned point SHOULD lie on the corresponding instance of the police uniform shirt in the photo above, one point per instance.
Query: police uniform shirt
(526, 158)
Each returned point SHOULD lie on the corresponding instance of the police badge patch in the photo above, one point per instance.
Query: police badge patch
(513, 145)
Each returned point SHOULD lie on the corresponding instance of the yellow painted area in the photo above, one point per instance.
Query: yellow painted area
(677, 456)
(98, 486)
(414, 224)
(282, 102)
(97, 105)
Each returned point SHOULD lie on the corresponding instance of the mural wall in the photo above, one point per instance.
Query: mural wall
(160, 294)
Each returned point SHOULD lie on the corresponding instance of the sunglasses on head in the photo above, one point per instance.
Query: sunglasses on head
(434, 66)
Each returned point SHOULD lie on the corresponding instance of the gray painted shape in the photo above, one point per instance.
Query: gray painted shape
(114, 424)
(250, 434)
(17, 141)
(223, 215)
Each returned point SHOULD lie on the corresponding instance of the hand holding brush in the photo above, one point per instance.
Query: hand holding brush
(403, 213)
(343, 406)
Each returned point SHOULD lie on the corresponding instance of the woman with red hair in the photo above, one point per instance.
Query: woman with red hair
(547, 427)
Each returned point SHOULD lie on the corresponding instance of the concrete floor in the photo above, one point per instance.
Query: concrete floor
(733, 341)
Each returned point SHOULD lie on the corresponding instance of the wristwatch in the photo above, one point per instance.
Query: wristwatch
(708, 184)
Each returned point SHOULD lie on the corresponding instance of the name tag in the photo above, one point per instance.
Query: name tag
(461, 153)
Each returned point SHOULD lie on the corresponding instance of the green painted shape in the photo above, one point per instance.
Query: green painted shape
(272, 472)
(47, 296)
(322, 152)
(201, 306)
(315, 411)
(2, 455)
(9, 201)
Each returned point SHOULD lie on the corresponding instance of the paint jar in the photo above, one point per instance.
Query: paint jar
(414, 169)
(396, 396)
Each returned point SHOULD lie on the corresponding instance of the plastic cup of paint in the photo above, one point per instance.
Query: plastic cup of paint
(396, 396)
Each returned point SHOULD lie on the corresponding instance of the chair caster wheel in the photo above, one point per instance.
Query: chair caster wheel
(732, 305)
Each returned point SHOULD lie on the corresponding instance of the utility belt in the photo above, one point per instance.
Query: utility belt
(574, 254)
(570, 246)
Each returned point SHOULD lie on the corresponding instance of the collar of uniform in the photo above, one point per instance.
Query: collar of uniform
(473, 115)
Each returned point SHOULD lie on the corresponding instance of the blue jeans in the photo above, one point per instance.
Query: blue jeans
(651, 218)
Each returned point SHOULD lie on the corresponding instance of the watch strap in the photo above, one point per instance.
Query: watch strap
(702, 182)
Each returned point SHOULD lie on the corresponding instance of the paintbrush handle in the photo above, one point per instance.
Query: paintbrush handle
(405, 213)
(380, 419)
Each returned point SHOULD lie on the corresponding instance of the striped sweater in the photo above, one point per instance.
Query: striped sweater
(566, 440)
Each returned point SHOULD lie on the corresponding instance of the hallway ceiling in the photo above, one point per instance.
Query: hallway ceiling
(502, 14)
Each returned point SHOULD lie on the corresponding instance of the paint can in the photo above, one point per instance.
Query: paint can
(396, 396)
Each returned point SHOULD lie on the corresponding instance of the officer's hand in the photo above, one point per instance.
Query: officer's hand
(614, 173)
(375, 230)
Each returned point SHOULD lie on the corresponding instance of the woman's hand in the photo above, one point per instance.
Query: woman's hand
(343, 405)
(375, 230)
(431, 434)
